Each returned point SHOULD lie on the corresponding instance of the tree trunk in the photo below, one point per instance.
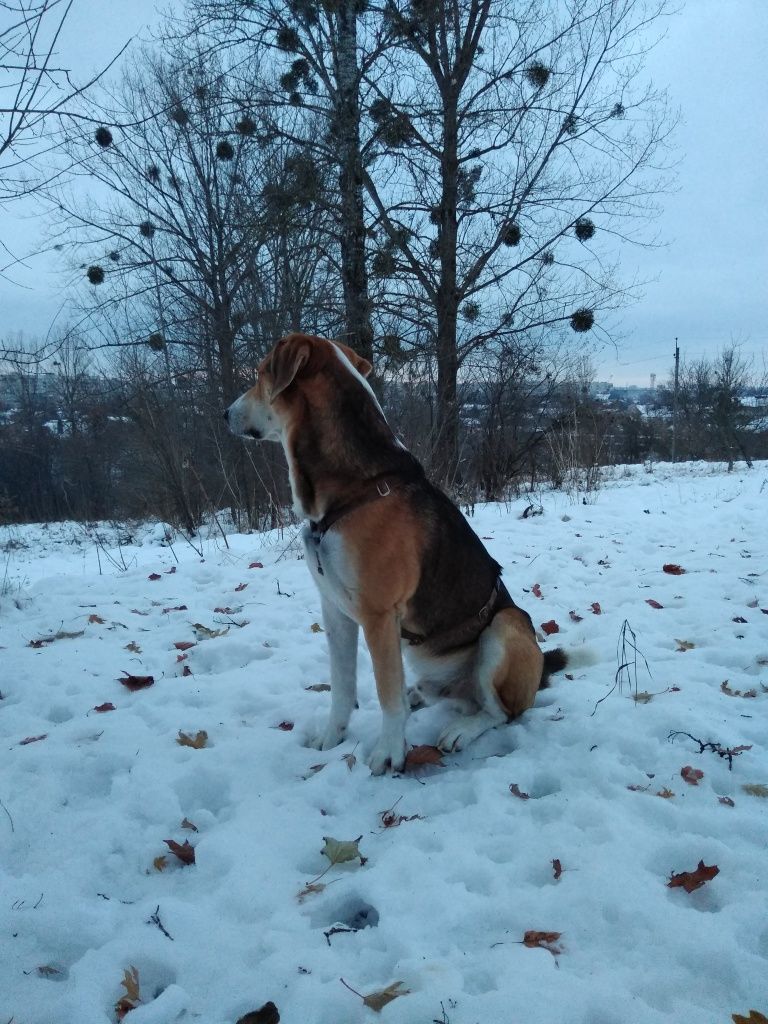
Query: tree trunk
(357, 307)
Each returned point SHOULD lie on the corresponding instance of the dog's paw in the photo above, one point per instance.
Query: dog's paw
(387, 755)
(464, 730)
(329, 738)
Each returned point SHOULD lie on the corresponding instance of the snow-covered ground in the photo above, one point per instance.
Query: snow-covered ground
(448, 892)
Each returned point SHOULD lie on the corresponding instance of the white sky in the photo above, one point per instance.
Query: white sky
(707, 284)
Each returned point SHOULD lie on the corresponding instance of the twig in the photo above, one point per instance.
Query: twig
(627, 662)
(155, 919)
(727, 752)
(9, 815)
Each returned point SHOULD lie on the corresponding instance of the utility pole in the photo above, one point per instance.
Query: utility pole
(674, 401)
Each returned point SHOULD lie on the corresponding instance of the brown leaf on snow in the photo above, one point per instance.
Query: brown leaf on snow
(596, 609)
(184, 645)
(33, 739)
(96, 620)
(574, 617)
(186, 671)
(515, 790)
(755, 789)
(256, 565)
(423, 754)
(190, 825)
(107, 706)
(285, 726)
(665, 794)
(132, 996)
(198, 741)
(136, 682)
(557, 868)
(754, 1018)
(318, 687)
(684, 645)
(542, 940)
(154, 576)
(653, 603)
(692, 880)
(536, 590)
(316, 628)
(240, 587)
(378, 1000)
(726, 800)
(550, 627)
(160, 863)
(673, 570)
(725, 688)
(184, 851)
(176, 608)
(691, 775)
(266, 1014)
(133, 647)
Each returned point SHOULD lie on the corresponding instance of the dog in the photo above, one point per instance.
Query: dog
(391, 553)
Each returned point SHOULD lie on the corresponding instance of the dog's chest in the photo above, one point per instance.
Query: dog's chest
(330, 568)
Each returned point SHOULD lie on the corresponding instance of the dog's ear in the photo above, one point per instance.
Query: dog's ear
(362, 366)
(289, 357)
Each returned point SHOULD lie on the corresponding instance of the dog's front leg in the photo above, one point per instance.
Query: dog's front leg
(341, 635)
(382, 635)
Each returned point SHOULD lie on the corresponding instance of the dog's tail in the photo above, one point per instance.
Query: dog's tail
(558, 659)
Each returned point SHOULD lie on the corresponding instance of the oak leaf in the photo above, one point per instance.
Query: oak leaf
(754, 1018)
(132, 996)
(184, 851)
(550, 627)
(692, 880)
(198, 741)
(691, 775)
(136, 682)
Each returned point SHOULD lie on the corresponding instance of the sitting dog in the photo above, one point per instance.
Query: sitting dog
(391, 553)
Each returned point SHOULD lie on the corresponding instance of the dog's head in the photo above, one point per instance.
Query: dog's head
(292, 366)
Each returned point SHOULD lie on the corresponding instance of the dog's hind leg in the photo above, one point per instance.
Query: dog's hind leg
(507, 675)
(341, 634)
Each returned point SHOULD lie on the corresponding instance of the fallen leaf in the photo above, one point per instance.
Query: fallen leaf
(186, 671)
(206, 633)
(285, 726)
(726, 800)
(692, 880)
(154, 576)
(756, 789)
(33, 739)
(569, 676)
(316, 628)
(542, 940)
(557, 868)
(132, 996)
(684, 645)
(691, 775)
(184, 645)
(515, 790)
(133, 647)
(596, 609)
(61, 635)
(653, 603)
(574, 617)
(160, 863)
(171, 571)
(643, 697)
(96, 620)
(256, 565)
(753, 1018)
(378, 1000)
(184, 851)
(340, 851)
(550, 627)
(318, 687)
(423, 754)
(46, 971)
(389, 819)
(637, 788)
(536, 590)
(672, 569)
(186, 823)
(198, 741)
(665, 794)
(181, 657)
(240, 586)
(738, 618)
(176, 608)
(137, 612)
(310, 889)
(136, 682)
(266, 1014)
(725, 688)
(107, 706)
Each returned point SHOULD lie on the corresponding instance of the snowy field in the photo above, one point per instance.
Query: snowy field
(457, 867)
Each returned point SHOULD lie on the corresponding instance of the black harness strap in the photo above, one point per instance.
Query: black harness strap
(469, 630)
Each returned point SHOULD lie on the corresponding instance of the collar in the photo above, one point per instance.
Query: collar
(375, 487)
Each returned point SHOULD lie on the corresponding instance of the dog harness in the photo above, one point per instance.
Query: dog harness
(463, 633)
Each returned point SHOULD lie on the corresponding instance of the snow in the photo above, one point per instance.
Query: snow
(85, 810)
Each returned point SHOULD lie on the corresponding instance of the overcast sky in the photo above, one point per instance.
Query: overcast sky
(707, 284)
